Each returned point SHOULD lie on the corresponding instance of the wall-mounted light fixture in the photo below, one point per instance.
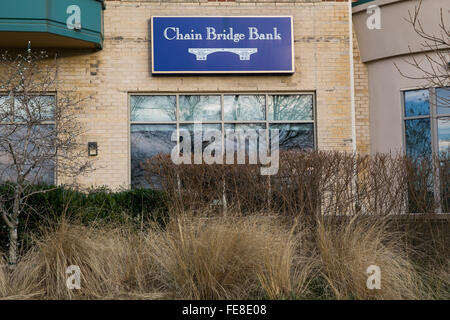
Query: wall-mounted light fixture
(92, 149)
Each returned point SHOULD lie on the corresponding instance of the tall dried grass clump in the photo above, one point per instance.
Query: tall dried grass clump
(231, 258)
(4, 285)
(225, 257)
(193, 257)
(347, 248)
(113, 264)
(438, 281)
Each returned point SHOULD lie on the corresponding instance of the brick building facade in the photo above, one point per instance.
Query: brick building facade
(123, 68)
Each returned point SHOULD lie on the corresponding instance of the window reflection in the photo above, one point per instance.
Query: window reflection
(198, 137)
(245, 107)
(196, 108)
(444, 135)
(38, 155)
(241, 112)
(247, 131)
(418, 138)
(6, 109)
(291, 107)
(37, 108)
(146, 142)
(443, 100)
(39, 136)
(153, 108)
(295, 136)
(417, 103)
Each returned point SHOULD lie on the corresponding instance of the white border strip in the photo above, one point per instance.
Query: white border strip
(193, 72)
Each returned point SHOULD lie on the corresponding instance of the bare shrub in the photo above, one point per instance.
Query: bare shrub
(307, 183)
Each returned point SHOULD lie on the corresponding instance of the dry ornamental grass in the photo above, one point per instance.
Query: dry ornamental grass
(308, 233)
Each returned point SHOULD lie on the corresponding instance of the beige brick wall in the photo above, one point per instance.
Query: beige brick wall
(123, 66)
(361, 101)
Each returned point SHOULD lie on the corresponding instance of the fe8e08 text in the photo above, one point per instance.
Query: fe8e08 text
(246, 309)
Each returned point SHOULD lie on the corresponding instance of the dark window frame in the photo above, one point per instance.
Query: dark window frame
(222, 122)
(433, 116)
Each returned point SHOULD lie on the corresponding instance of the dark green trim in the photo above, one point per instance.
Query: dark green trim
(357, 3)
(50, 26)
(103, 4)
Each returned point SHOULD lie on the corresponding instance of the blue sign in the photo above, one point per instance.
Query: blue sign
(222, 45)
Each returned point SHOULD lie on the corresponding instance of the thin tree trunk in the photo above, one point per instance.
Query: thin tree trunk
(13, 247)
(13, 227)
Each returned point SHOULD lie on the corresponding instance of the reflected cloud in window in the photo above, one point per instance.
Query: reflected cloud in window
(417, 103)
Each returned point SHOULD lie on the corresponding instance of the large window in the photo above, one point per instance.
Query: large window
(426, 115)
(26, 132)
(427, 122)
(155, 117)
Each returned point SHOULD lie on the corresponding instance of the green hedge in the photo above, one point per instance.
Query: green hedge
(138, 205)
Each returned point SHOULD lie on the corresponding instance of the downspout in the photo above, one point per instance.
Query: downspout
(352, 106)
(352, 76)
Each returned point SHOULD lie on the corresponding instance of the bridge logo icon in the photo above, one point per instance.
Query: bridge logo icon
(201, 54)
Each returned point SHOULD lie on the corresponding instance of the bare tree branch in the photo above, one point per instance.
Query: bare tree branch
(432, 62)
